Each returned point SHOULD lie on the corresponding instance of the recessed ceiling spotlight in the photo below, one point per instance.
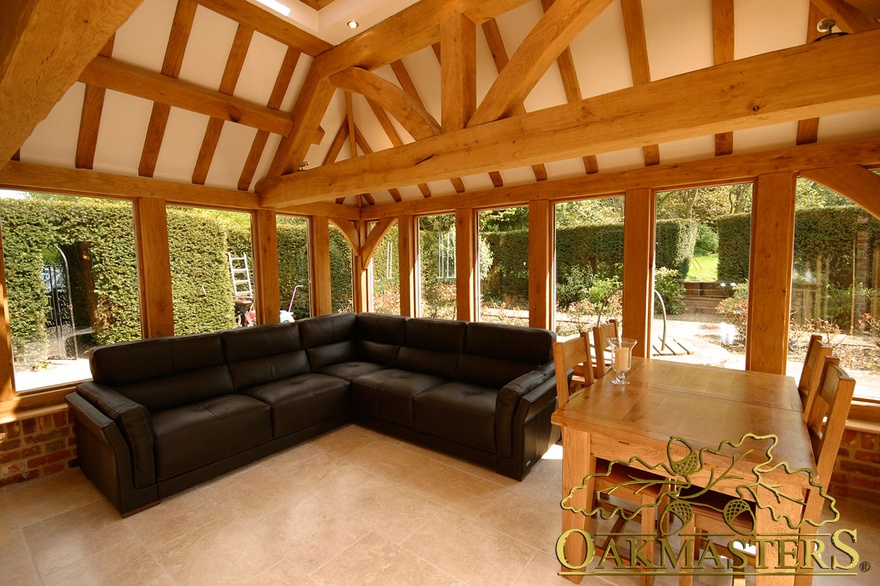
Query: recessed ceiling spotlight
(352, 24)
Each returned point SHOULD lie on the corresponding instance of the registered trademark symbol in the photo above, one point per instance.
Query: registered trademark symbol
(865, 566)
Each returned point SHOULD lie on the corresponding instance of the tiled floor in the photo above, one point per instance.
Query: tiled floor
(350, 507)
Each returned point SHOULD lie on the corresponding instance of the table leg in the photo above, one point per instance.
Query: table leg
(765, 525)
(577, 462)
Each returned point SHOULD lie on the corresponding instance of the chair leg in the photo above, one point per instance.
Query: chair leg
(689, 546)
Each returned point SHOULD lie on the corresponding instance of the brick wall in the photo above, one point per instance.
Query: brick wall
(857, 470)
(40, 446)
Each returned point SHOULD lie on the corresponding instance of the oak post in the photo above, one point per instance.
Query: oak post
(7, 371)
(638, 268)
(154, 260)
(319, 266)
(467, 264)
(542, 250)
(772, 254)
(407, 239)
(265, 238)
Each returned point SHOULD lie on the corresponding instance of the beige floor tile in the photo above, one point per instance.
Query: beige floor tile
(221, 552)
(46, 497)
(255, 494)
(343, 441)
(308, 532)
(126, 563)
(544, 569)
(282, 573)
(454, 488)
(323, 474)
(174, 517)
(283, 461)
(375, 561)
(389, 460)
(18, 567)
(470, 551)
(71, 536)
(389, 510)
(534, 520)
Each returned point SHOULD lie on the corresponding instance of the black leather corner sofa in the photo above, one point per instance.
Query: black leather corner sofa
(164, 414)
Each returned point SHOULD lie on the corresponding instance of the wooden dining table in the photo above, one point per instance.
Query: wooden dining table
(704, 406)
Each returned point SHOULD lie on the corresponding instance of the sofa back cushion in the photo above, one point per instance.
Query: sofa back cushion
(432, 346)
(263, 354)
(162, 373)
(495, 354)
(328, 339)
(379, 337)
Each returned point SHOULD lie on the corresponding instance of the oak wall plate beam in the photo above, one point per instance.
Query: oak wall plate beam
(29, 176)
(715, 171)
(43, 48)
(819, 79)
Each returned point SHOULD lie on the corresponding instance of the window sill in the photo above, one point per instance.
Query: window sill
(35, 403)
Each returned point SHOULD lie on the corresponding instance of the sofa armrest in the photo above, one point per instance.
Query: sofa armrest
(133, 421)
(536, 383)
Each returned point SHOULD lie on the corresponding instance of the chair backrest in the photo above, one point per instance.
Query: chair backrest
(571, 354)
(814, 363)
(601, 334)
(828, 414)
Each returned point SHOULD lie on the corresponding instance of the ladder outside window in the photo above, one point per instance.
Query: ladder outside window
(242, 290)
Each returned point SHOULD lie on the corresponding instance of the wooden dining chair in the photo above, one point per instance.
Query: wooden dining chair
(574, 373)
(825, 424)
(808, 386)
(601, 334)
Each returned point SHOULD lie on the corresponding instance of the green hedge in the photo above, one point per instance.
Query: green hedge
(97, 238)
(585, 251)
(823, 235)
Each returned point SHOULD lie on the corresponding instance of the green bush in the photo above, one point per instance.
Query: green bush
(707, 241)
(669, 284)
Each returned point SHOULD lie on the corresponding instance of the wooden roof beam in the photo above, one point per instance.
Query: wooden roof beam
(90, 120)
(43, 48)
(637, 45)
(553, 33)
(572, 88)
(722, 49)
(411, 114)
(849, 18)
(852, 182)
(406, 32)
(268, 24)
(811, 80)
(168, 91)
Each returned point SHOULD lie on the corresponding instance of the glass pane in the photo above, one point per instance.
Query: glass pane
(386, 271)
(437, 262)
(211, 269)
(589, 263)
(504, 265)
(834, 292)
(700, 280)
(72, 283)
(293, 267)
(341, 278)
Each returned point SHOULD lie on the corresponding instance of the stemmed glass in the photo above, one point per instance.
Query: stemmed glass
(621, 363)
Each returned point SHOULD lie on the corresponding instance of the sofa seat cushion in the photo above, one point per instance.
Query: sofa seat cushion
(350, 369)
(461, 412)
(207, 431)
(388, 394)
(301, 401)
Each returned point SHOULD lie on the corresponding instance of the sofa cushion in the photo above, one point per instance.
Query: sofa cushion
(207, 431)
(495, 354)
(328, 339)
(302, 401)
(350, 369)
(460, 412)
(378, 337)
(180, 389)
(388, 394)
(263, 354)
(432, 346)
(131, 362)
